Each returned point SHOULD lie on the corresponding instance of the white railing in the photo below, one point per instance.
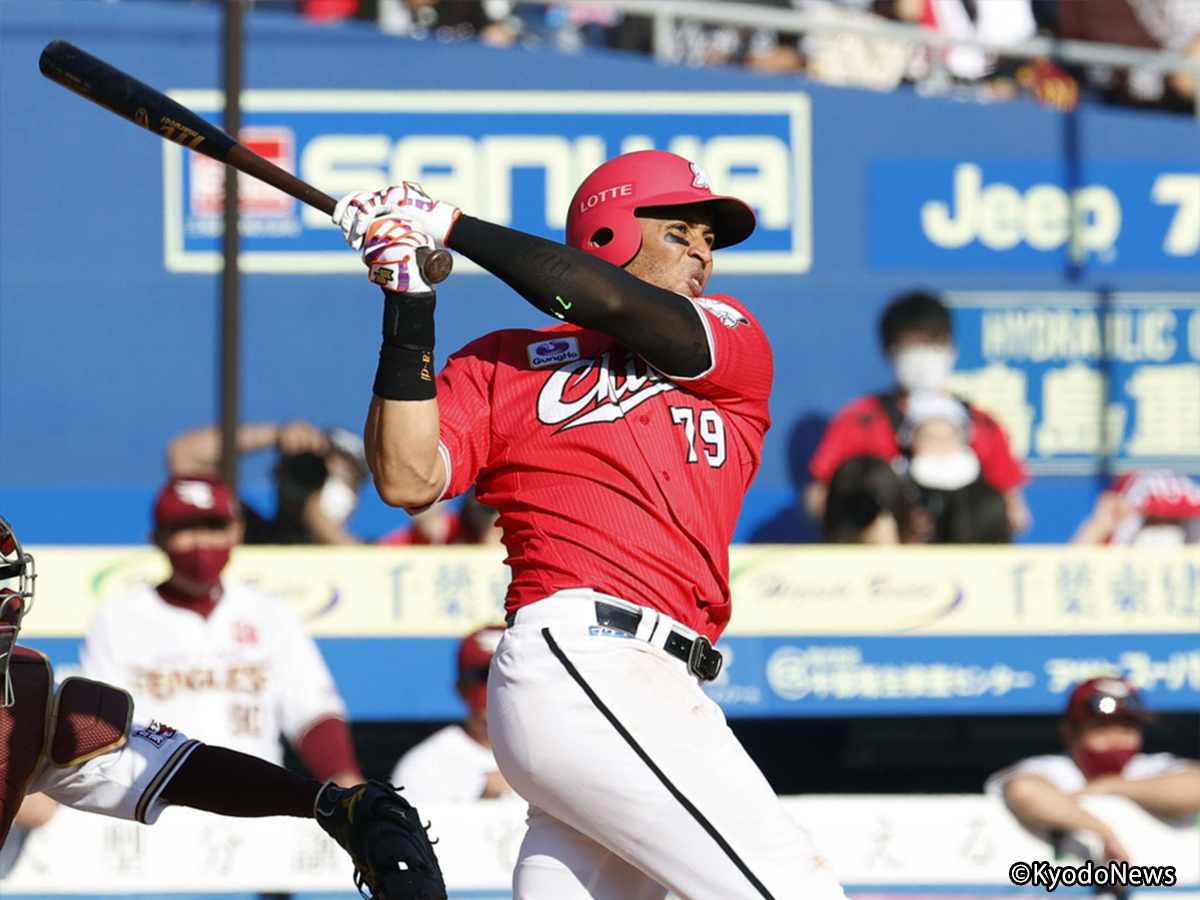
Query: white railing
(665, 12)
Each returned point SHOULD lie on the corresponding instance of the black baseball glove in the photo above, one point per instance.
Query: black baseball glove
(393, 857)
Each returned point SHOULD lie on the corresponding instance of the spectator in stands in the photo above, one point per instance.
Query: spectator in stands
(694, 42)
(225, 661)
(850, 59)
(1152, 24)
(967, 67)
(918, 342)
(456, 763)
(318, 477)
(869, 504)
(1102, 732)
(945, 474)
(474, 523)
(492, 22)
(1148, 509)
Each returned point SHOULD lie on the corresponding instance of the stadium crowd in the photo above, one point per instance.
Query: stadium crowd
(875, 61)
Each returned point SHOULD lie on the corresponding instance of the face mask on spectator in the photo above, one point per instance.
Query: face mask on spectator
(338, 500)
(1094, 763)
(200, 565)
(944, 471)
(924, 367)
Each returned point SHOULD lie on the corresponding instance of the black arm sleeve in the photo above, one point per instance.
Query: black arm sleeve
(229, 783)
(660, 326)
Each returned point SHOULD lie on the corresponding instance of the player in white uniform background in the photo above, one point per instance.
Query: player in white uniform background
(456, 763)
(1101, 731)
(221, 660)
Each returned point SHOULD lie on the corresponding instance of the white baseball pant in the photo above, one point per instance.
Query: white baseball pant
(635, 782)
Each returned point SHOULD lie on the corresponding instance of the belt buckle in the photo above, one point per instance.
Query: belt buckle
(703, 660)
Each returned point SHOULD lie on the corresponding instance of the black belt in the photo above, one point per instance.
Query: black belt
(701, 657)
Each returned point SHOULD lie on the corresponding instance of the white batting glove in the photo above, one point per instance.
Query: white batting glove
(390, 253)
(355, 212)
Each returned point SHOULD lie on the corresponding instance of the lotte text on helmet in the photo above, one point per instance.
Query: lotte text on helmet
(603, 220)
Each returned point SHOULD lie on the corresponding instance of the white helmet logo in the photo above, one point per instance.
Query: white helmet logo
(700, 179)
(196, 493)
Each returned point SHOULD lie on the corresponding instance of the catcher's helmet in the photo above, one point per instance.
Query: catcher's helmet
(16, 597)
(603, 210)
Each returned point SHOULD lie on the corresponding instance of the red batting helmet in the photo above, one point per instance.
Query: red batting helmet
(603, 210)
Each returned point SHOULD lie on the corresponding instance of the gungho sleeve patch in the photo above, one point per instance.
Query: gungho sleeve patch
(553, 351)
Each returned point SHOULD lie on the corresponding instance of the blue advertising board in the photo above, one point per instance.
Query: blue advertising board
(767, 677)
(514, 158)
(982, 215)
(852, 676)
(1084, 379)
(860, 196)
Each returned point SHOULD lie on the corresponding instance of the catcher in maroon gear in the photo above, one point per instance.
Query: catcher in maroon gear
(78, 744)
(617, 447)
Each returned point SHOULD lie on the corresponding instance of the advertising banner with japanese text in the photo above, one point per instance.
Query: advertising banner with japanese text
(815, 631)
(1084, 379)
(881, 847)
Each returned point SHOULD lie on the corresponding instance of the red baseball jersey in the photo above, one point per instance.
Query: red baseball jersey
(607, 474)
(863, 428)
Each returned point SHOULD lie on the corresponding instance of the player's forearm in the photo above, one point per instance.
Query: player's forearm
(229, 783)
(1043, 808)
(1167, 796)
(659, 325)
(402, 451)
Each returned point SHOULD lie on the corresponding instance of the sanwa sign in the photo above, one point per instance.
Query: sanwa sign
(514, 158)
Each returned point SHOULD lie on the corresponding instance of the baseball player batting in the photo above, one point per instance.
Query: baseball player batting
(617, 447)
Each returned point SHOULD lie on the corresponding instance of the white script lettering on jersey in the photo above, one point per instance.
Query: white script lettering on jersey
(594, 390)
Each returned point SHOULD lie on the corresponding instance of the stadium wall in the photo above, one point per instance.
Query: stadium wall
(1084, 341)
(816, 632)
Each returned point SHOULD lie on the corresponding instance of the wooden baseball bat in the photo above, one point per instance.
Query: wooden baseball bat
(108, 86)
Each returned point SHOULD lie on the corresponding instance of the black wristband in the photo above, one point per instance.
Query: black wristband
(408, 319)
(405, 369)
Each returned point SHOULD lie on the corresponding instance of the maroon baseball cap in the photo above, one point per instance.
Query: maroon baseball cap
(1104, 698)
(184, 500)
(477, 648)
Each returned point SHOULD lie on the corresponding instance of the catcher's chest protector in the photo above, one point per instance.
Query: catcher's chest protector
(23, 729)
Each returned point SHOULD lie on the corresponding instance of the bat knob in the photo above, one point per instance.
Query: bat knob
(436, 265)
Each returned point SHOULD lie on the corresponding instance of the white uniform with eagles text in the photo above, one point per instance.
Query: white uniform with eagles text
(241, 677)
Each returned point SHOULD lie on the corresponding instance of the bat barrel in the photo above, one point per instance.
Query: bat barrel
(107, 86)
